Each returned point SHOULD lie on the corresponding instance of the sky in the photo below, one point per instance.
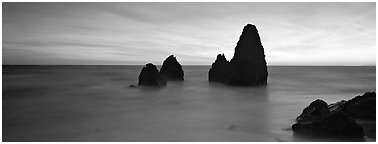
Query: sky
(137, 33)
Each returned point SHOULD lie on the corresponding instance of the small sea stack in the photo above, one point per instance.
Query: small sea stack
(248, 66)
(172, 69)
(150, 76)
(220, 70)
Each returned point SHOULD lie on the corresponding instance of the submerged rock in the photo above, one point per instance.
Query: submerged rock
(247, 67)
(317, 120)
(172, 69)
(150, 76)
(132, 86)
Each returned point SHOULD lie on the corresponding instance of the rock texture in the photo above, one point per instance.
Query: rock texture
(360, 107)
(317, 110)
(150, 76)
(317, 120)
(336, 120)
(247, 67)
(336, 125)
(172, 69)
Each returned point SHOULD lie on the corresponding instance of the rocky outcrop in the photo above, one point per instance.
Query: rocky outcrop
(360, 107)
(336, 120)
(247, 67)
(220, 70)
(172, 69)
(317, 110)
(336, 125)
(150, 76)
(317, 120)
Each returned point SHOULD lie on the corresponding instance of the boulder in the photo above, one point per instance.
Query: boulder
(338, 106)
(317, 120)
(150, 76)
(172, 69)
(248, 65)
(360, 107)
(317, 110)
(337, 125)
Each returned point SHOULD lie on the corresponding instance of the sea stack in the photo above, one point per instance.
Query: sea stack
(172, 69)
(247, 67)
(150, 76)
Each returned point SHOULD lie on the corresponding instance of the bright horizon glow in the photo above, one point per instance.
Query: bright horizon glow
(138, 33)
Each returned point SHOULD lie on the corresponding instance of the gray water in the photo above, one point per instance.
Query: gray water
(95, 103)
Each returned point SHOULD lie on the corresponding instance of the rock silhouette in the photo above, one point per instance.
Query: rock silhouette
(248, 65)
(172, 69)
(336, 120)
(360, 107)
(220, 70)
(150, 76)
(317, 120)
(337, 125)
(317, 110)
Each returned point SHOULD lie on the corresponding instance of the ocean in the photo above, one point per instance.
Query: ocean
(95, 103)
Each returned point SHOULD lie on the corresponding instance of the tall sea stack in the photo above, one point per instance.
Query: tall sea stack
(247, 67)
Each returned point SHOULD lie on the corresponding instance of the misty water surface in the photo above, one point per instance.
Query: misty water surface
(95, 103)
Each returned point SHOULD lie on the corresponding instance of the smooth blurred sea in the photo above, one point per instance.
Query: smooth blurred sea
(95, 103)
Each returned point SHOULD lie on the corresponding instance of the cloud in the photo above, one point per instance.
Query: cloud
(136, 33)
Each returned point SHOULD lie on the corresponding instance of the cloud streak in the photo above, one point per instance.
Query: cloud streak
(136, 33)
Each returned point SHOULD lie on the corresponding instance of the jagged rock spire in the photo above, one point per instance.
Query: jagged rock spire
(248, 65)
(172, 69)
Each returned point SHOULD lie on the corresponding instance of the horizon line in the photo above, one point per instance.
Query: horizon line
(144, 64)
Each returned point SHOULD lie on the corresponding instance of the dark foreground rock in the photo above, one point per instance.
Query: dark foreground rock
(248, 65)
(317, 120)
(172, 69)
(360, 107)
(150, 76)
(316, 111)
(337, 125)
